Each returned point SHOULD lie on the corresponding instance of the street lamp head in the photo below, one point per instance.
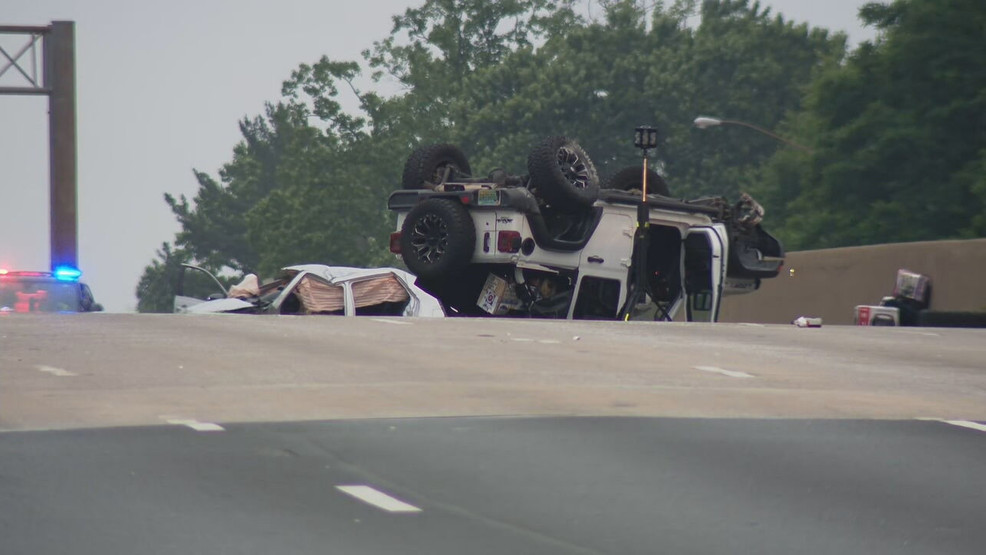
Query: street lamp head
(704, 122)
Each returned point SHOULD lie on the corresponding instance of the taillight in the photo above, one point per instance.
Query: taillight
(508, 241)
(395, 242)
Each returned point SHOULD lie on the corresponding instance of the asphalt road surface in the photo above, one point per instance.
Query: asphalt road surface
(226, 434)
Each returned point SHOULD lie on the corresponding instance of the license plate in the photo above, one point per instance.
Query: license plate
(489, 299)
(488, 197)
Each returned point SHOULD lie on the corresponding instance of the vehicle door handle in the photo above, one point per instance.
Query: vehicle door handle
(595, 259)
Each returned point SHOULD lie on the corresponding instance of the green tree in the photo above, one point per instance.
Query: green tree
(213, 227)
(900, 134)
(749, 65)
(598, 81)
(156, 288)
(433, 47)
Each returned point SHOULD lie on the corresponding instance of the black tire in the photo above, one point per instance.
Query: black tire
(563, 175)
(426, 166)
(631, 177)
(437, 239)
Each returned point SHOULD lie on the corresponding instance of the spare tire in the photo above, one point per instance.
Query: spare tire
(563, 175)
(437, 238)
(631, 177)
(427, 166)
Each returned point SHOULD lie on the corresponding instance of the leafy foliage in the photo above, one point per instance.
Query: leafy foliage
(900, 131)
(156, 289)
(598, 81)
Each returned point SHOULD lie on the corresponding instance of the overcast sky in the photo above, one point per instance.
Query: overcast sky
(161, 87)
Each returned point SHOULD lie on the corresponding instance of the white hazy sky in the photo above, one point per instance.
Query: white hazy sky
(161, 87)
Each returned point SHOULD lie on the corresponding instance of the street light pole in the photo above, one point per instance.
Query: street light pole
(704, 122)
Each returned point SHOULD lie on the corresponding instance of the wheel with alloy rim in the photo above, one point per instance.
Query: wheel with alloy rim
(430, 165)
(563, 175)
(437, 238)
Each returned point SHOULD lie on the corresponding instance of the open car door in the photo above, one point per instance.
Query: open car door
(704, 274)
(196, 285)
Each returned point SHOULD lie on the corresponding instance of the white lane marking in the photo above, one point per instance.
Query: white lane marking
(925, 333)
(521, 339)
(55, 371)
(752, 325)
(378, 499)
(967, 424)
(396, 322)
(196, 425)
(549, 341)
(717, 370)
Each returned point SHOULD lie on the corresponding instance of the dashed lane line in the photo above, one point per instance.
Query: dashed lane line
(196, 425)
(961, 423)
(55, 371)
(378, 499)
(967, 424)
(924, 333)
(724, 372)
(395, 322)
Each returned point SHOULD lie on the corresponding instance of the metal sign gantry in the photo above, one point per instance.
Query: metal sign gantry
(20, 67)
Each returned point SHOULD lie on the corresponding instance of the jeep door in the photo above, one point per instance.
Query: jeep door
(704, 271)
(604, 266)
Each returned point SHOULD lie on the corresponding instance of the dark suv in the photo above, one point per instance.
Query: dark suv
(58, 291)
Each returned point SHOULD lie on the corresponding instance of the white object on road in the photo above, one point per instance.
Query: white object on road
(807, 322)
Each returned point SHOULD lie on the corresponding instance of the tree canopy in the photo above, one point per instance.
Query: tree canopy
(895, 127)
(899, 133)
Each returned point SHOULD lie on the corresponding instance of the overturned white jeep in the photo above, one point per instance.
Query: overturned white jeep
(555, 244)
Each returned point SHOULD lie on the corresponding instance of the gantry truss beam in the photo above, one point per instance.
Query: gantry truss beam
(24, 61)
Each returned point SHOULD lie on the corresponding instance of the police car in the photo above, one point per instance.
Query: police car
(57, 291)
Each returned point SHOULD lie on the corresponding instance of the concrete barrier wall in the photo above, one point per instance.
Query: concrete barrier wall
(829, 283)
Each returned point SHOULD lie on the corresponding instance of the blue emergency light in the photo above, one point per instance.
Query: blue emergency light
(67, 273)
